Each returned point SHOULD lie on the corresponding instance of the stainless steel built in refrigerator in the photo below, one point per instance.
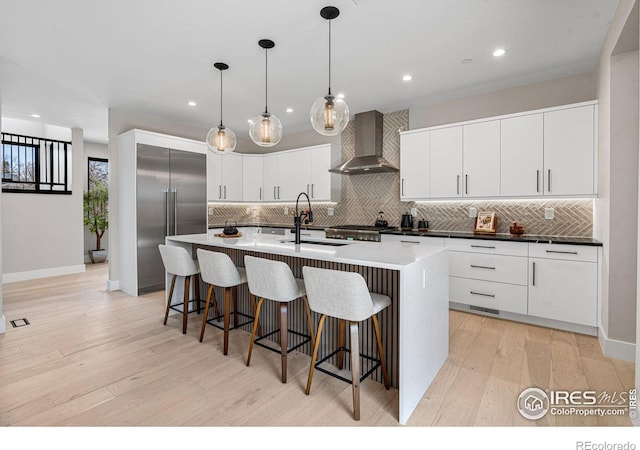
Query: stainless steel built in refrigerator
(172, 200)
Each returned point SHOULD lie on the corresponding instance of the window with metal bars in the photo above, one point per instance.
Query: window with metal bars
(35, 165)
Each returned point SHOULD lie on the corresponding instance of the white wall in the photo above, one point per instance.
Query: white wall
(93, 150)
(42, 234)
(615, 209)
(3, 322)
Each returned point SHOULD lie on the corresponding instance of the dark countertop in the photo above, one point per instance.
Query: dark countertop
(500, 237)
(452, 234)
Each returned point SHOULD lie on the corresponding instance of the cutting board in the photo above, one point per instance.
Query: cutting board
(222, 235)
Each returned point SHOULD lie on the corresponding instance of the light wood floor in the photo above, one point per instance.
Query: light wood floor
(97, 358)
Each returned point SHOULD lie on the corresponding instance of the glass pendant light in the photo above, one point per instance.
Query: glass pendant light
(266, 129)
(329, 115)
(221, 139)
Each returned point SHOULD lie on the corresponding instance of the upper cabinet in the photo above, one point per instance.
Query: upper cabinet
(275, 177)
(224, 177)
(481, 159)
(414, 165)
(569, 151)
(543, 153)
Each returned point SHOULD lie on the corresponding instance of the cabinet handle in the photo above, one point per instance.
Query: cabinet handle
(534, 274)
(559, 251)
(307, 189)
(260, 193)
(225, 192)
(483, 246)
(402, 186)
(278, 192)
(537, 181)
(482, 267)
(466, 184)
(274, 192)
(219, 192)
(458, 184)
(549, 180)
(312, 194)
(411, 242)
(484, 295)
(175, 212)
(166, 204)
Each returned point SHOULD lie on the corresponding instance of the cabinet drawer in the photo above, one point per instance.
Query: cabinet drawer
(425, 240)
(480, 266)
(563, 251)
(488, 294)
(487, 246)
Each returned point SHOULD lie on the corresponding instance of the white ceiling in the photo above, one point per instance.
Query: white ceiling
(71, 60)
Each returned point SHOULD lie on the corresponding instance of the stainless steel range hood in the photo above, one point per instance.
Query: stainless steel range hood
(368, 158)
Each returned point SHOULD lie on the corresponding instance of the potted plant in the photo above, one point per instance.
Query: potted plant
(96, 217)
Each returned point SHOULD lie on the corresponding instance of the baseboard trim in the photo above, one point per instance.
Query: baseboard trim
(41, 273)
(616, 349)
(3, 324)
(113, 285)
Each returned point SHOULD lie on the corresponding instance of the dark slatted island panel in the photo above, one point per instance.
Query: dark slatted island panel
(381, 281)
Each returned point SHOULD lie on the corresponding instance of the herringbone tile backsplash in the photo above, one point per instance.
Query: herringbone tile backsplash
(364, 195)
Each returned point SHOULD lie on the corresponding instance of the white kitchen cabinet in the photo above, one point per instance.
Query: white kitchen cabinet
(409, 241)
(521, 156)
(569, 151)
(414, 165)
(270, 177)
(445, 162)
(325, 186)
(286, 190)
(224, 177)
(302, 172)
(564, 290)
(252, 178)
(481, 159)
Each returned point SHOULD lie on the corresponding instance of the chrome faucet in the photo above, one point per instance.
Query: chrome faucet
(308, 215)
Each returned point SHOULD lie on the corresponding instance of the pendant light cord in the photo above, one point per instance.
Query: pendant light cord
(221, 99)
(329, 57)
(266, 83)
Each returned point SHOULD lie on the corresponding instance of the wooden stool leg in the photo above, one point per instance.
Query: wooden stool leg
(314, 356)
(255, 314)
(166, 313)
(255, 327)
(284, 327)
(309, 321)
(342, 331)
(185, 307)
(196, 289)
(216, 313)
(206, 312)
(355, 368)
(383, 364)
(235, 306)
(227, 319)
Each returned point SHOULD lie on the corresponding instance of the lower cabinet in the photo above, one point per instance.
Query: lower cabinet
(564, 285)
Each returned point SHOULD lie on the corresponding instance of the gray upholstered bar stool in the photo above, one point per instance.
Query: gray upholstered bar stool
(345, 296)
(273, 280)
(178, 263)
(217, 269)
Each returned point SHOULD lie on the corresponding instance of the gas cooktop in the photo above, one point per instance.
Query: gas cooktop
(356, 232)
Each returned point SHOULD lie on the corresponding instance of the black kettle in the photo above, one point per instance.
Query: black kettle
(406, 222)
(230, 230)
(380, 221)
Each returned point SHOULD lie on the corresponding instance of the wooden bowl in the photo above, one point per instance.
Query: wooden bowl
(516, 229)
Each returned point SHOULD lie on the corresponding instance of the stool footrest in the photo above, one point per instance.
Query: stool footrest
(176, 306)
(363, 358)
(215, 321)
(306, 338)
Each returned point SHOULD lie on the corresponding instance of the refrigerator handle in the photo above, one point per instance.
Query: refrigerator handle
(175, 212)
(166, 208)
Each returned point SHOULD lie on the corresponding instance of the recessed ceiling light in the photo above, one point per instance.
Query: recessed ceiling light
(467, 61)
(499, 52)
(192, 103)
(407, 78)
(249, 120)
(340, 95)
(37, 116)
(289, 110)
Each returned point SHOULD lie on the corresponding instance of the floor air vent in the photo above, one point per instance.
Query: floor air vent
(19, 323)
(484, 310)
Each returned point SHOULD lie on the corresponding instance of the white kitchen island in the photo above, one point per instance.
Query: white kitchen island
(415, 329)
